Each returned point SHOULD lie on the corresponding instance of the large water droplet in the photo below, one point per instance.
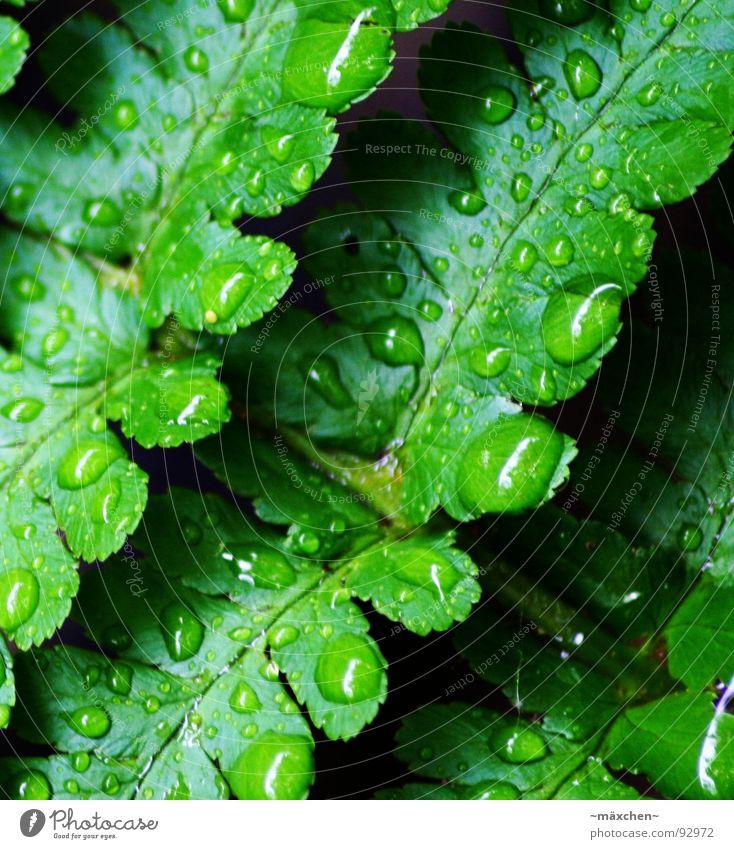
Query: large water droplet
(54, 341)
(497, 104)
(499, 791)
(260, 566)
(489, 363)
(283, 635)
(183, 633)
(19, 593)
(196, 60)
(579, 319)
(274, 766)
(125, 115)
(101, 212)
(511, 467)
(90, 721)
(428, 569)
(396, 341)
(392, 282)
(22, 410)
(690, 538)
(29, 785)
(518, 745)
(236, 11)
(223, 290)
(243, 698)
(582, 74)
(28, 288)
(85, 463)
(348, 670)
(467, 203)
(119, 677)
(324, 377)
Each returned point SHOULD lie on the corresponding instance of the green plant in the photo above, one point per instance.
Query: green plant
(628, 662)
(475, 281)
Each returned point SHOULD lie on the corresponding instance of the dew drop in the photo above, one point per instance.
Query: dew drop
(85, 463)
(497, 104)
(119, 677)
(518, 745)
(28, 288)
(22, 410)
(278, 143)
(54, 341)
(559, 251)
(224, 289)
(243, 698)
(396, 341)
(489, 363)
(690, 538)
(581, 318)
(324, 377)
(236, 11)
(260, 566)
(90, 721)
(568, 12)
(101, 213)
(19, 595)
(582, 74)
(125, 115)
(183, 633)
(196, 60)
(283, 635)
(302, 176)
(512, 466)
(348, 670)
(427, 569)
(274, 766)
(467, 203)
(30, 784)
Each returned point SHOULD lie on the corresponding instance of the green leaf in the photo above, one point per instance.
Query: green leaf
(79, 358)
(192, 117)
(14, 44)
(491, 272)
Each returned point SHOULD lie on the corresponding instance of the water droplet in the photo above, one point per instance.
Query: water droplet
(690, 538)
(649, 94)
(582, 74)
(489, 363)
(348, 670)
(30, 784)
(512, 466)
(236, 11)
(101, 213)
(559, 251)
(111, 785)
(425, 568)
(520, 187)
(85, 463)
(302, 176)
(125, 115)
(90, 721)
(518, 745)
(4, 716)
(191, 531)
(282, 636)
(584, 152)
(430, 310)
(196, 60)
(524, 256)
(119, 677)
(22, 410)
(543, 384)
(28, 288)
(568, 12)
(499, 791)
(54, 341)
(260, 566)
(183, 633)
(116, 637)
(224, 289)
(80, 761)
(392, 282)
(104, 505)
(581, 318)
(467, 203)
(243, 698)
(278, 143)
(19, 594)
(274, 766)
(324, 377)
(396, 341)
(497, 104)
(599, 176)
(640, 5)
